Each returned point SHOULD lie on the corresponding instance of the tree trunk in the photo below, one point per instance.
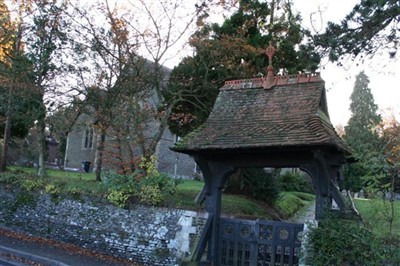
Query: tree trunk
(100, 153)
(6, 138)
(41, 128)
(131, 153)
(120, 155)
(392, 198)
(159, 133)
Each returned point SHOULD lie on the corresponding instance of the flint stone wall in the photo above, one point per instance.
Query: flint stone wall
(148, 235)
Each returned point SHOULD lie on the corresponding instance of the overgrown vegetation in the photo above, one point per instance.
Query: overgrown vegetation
(149, 187)
(146, 186)
(336, 242)
(340, 242)
(64, 183)
(370, 242)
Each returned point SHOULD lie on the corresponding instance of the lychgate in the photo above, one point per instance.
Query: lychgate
(275, 121)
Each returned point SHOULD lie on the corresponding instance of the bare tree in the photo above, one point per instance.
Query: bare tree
(127, 48)
(45, 39)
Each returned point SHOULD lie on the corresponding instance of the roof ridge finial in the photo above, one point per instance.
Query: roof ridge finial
(270, 51)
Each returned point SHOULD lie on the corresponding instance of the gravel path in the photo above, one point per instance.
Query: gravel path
(305, 214)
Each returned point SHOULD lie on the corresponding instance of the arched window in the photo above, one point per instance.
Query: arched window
(88, 138)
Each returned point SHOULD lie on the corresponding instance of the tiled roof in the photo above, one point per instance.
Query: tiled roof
(247, 116)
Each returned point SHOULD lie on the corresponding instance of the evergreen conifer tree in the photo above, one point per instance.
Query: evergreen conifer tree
(233, 50)
(361, 134)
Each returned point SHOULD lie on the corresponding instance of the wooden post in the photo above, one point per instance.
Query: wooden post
(215, 175)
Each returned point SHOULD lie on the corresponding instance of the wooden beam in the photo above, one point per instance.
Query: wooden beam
(215, 175)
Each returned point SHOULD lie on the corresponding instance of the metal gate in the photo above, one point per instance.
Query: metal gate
(260, 243)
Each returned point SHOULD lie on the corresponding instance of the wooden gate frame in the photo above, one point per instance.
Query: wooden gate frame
(259, 242)
(323, 167)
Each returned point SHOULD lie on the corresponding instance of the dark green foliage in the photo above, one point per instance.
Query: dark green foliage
(112, 180)
(234, 50)
(21, 180)
(360, 132)
(294, 182)
(44, 45)
(354, 173)
(339, 242)
(361, 135)
(390, 248)
(10, 179)
(24, 186)
(256, 183)
(23, 199)
(198, 95)
(24, 101)
(370, 25)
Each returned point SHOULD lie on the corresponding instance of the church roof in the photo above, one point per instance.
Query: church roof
(276, 112)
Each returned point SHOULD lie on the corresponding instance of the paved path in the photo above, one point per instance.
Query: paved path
(18, 251)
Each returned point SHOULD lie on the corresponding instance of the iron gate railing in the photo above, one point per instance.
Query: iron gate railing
(261, 243)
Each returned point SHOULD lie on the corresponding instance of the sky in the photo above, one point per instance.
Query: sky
(384, 73)
(339, 80)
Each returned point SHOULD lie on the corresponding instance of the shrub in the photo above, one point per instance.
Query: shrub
(23, 199)
(115, 181)
(254, 182)
(390, 249)
(294, 182)
(9, 178)
(151, 195)
(149, 165)
(119, 197)
(339, 242)
(53, 190)
(75, 192)
(148, 185)
(30, 184)
(121, 188)
(156, 188)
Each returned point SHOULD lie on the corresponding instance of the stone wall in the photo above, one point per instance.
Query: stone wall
(152, 236)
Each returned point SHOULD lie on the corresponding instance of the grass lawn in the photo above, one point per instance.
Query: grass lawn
(376, 213)
(186, 192)
(75, 182)
(54, 173)
(291, 202)
(241, 206)
(231, 204)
